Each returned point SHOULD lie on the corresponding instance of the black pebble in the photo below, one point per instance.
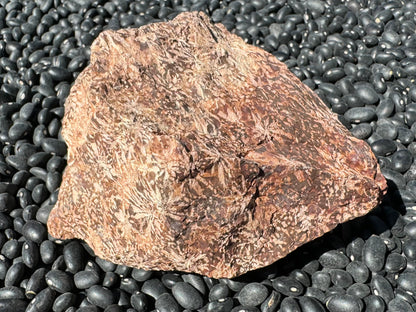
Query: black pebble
(333, 259)
(187, 296)
(153, 288)
(54, 146)
(30, 254)
(288, 286)
(15, 274)
(360, 114)
(43, 301)
(59, 281)
(48, 251)
(63, 302)
(86, 279)
(36, 283)
(35, 231)
(341, 303)
(383, 147)
(253, 294)
(140, 303)
(380, 286)
(409, 249)
(74, 256)
(13, 305)
(218, 291)
(100, 296)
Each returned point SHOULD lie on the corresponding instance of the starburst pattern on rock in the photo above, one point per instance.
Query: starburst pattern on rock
(191, 150)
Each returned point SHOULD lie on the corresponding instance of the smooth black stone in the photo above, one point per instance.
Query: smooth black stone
(38, 159)
(56, 163)
(338, 303)
(311, 305)
(17, 162)
(40, 193)
(301, 277)
(289, 304)
(359, 290)
(405, 136)
(74, 256)
(399, 305)
(407, 281)
(381, 287)
(39, 134)
(43, 212)
(358, 271)
(288, 286)
(34, 181)
(395, 262)
(63, 302)
(383, 147)
(404, 295)
(43, 301)
(140, 303)
(386, 130)
(154, 288)
(196, 281)
(123, 270)
(54, 146)
(7, 202)
(12, 292)
(35, 231)
(253, 294)
(341, 278)
(409, 249)
(170, 279)
(13, 305)
(30, 254)
(402, 160)
(333, 259)
(218, 291)
(59, 281)
(110, 279)
(36, 283)
(129, 285)
(11, 249)
(48, 251)
(321, 280)
(54, 127)
(374, 303)
(410, 229)
(100, 296)
(395, 177)
(15, 274)
(59, 73)
(187, 296)
(86, 279)
(222, 305)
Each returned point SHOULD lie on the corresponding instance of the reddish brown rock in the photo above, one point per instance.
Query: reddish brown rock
(191, 150)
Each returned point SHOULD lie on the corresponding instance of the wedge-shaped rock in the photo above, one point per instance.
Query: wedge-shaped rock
(191, 150)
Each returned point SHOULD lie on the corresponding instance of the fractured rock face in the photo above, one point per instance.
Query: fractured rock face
(191, 150)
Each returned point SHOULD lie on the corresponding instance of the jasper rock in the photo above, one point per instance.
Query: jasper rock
(191, 150)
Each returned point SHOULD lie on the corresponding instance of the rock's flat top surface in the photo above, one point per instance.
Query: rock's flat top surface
(191, 150)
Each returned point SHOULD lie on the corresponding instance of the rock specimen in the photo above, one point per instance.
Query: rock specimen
(191, 150)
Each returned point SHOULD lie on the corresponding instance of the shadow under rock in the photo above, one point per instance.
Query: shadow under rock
(384, 220)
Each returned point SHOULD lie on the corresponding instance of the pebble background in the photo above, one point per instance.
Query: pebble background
(359, 56)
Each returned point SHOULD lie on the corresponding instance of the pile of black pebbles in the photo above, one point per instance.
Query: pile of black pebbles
(359, 56)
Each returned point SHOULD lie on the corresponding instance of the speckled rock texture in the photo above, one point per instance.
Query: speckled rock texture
(191, 150)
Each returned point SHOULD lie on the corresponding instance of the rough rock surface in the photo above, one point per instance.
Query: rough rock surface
(191, 150)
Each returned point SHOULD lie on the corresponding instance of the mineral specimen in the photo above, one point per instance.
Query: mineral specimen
(191, 150)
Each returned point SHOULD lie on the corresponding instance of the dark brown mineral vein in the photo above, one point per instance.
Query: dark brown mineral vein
(191, 150)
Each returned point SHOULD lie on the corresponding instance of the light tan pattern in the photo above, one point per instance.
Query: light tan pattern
(191, 150)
